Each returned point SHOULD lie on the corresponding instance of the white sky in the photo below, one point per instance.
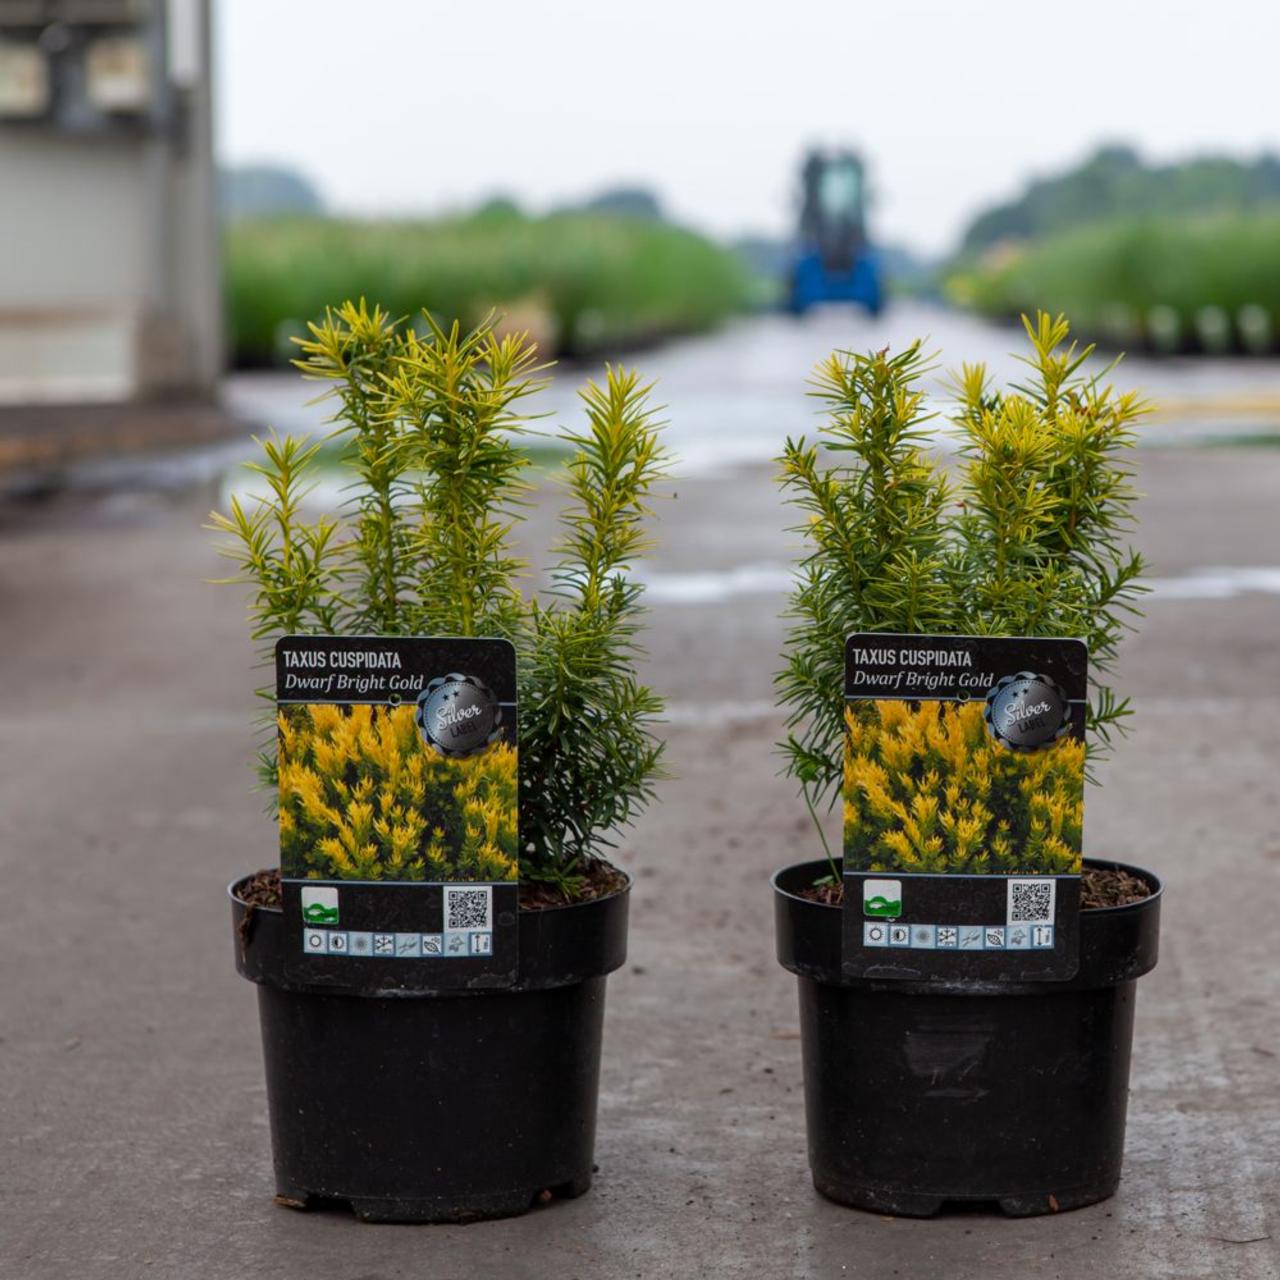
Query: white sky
(409, 106)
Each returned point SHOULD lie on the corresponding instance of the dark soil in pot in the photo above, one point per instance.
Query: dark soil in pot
(441, 1108)
(922, 1094)
(262, 889)
(1099, 887)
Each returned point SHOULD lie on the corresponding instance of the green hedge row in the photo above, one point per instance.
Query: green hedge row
(581, 282)
(1193, 283)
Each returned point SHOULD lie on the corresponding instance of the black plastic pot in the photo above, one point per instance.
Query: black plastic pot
(438, 1108)
(922, 1093)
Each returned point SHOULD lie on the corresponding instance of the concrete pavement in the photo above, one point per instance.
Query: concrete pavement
(133, 1140)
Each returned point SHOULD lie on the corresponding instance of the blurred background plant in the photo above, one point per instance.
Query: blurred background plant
(581, 282)
(431, 420)
(1173, 258)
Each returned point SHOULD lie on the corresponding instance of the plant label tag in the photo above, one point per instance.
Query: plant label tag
(963, 797)
(398, 810)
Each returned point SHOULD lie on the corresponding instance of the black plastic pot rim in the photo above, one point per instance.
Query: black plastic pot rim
(1117, 944)
(557, 946)
(1091, 864)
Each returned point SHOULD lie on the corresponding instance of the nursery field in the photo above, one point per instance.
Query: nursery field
(1209, 283)
(582, 282)
(134, 1140)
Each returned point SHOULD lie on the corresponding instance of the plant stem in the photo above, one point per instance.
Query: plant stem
(822, 835)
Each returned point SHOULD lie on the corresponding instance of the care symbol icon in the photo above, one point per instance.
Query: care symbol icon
(875, 934)
(882, 898)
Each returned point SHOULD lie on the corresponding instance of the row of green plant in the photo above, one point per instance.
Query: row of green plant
(582, 282)
(425, 547)
(1207, 282)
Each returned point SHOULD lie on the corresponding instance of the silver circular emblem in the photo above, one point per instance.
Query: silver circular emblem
(458, 714)
(1026, 712)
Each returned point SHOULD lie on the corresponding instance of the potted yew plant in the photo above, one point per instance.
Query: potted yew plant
(477, 1101)
(989, 1080)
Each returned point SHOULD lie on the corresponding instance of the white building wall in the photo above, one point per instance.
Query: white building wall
(108, 254)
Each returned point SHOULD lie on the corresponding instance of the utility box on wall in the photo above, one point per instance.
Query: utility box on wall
(109, 287)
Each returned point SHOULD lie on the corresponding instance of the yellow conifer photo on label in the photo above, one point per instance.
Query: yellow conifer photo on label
(927, 788)
(362, 796)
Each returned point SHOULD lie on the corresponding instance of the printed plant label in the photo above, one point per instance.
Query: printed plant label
(963, 805)
(398, 811)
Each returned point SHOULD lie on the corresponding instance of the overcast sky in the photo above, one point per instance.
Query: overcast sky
(409, 106)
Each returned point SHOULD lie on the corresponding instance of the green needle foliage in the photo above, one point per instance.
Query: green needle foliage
(584, 735)
(425, 548)
(1028, 538)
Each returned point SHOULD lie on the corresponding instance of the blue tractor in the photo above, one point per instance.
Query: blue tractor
(832, 261)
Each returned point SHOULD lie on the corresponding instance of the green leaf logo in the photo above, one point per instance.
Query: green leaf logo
(319, 904)
(882, 898)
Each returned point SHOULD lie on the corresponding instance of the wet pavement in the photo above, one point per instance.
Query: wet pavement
(133, 1127)
(734, 395)
(731, 397)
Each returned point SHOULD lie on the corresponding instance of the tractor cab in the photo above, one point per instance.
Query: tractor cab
(832, 261)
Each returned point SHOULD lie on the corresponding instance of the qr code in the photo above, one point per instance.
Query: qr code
(1031, 901)
(468, 908)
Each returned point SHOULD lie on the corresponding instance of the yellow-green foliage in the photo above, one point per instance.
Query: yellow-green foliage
(364, 797)
(926, 788)
(425, 546)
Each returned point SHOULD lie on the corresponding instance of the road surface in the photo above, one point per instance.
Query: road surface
(733, 395)
(134, 1131)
